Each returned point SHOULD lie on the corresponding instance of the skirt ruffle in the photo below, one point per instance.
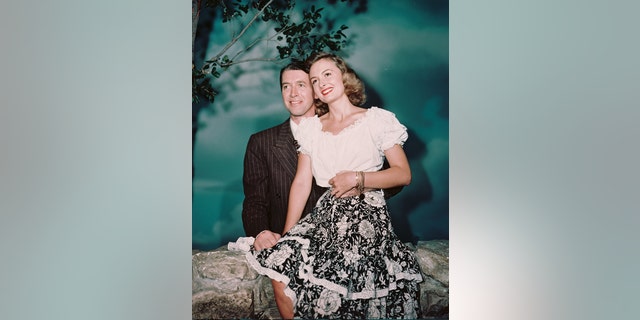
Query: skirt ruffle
(344, 260)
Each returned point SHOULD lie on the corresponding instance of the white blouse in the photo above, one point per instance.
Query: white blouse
(358, 147)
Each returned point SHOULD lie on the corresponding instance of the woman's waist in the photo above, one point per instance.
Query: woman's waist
(375, 196)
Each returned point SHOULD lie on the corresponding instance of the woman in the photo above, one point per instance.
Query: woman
(343, 260)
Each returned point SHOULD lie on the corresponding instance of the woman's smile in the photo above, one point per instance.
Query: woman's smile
(326, 91)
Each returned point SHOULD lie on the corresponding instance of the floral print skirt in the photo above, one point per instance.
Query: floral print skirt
(343, 261)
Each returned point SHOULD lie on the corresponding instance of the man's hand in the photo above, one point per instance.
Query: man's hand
(266, 239)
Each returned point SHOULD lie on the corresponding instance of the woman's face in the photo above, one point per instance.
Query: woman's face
(326, 80)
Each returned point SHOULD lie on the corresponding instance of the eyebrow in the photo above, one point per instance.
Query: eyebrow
(286, 82)
(323, 71)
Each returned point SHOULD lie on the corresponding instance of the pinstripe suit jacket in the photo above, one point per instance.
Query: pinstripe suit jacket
(270, 164)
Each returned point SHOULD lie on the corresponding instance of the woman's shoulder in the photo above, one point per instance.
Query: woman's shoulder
(378, 114)
(377, 111)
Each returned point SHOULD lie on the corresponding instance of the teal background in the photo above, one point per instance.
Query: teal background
(95, 163)
(401, 51)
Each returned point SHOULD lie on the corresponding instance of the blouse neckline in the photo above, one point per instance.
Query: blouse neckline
(347, 128)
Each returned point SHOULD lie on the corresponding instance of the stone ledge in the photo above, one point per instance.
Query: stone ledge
(224, 286)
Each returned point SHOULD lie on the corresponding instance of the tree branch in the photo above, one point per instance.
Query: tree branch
(252, 44)
(196, 5)
(267, 39)
(236, 38)
(250, 60)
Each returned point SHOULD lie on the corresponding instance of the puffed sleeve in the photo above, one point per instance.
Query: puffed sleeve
(307, 131)
(387, 130)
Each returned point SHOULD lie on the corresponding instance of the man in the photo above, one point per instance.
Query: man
(271, 160)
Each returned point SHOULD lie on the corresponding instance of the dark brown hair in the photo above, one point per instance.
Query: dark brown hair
(293, 65)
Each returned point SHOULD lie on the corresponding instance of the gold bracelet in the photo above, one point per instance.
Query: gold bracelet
(360, 184)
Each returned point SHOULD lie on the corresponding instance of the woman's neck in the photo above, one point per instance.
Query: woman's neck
(341, 109)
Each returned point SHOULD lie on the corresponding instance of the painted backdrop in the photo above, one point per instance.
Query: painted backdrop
(400, 49)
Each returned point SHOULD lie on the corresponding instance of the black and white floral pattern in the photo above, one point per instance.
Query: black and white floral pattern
(343, 261)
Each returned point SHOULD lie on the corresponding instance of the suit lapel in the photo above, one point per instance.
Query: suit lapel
(284, 149)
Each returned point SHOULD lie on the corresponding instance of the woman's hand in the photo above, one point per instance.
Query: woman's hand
(344, 184)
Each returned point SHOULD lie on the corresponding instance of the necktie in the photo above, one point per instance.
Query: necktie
(295, 144)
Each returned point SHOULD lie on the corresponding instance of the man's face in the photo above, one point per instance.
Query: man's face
(297, 93)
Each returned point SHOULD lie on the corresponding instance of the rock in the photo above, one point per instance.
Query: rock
(214, 304)
(433, 257)
(224, 286)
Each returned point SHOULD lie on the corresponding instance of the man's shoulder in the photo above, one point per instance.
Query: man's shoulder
(272, 131)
